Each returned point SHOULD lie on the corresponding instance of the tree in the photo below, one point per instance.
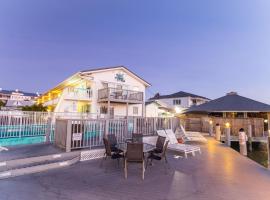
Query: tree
(35, 107)
(2, 104)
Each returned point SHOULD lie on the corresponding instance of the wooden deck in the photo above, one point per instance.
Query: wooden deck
(220, 173)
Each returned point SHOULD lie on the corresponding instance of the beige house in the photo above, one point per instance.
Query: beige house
(113, 91)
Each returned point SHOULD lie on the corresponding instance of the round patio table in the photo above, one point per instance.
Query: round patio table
(146, 147)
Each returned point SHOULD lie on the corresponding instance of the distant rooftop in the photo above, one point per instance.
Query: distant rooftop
(177, 95)
(231, 102)
(18, 91)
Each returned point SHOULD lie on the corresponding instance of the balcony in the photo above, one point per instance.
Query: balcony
(119, 95)
(78, 94)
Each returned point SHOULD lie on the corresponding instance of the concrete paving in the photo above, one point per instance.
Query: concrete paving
(220, 173)
(18, 152)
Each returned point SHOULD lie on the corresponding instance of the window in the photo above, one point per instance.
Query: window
(177, 102)
(194, 101)
(135, 110)
(103, 110)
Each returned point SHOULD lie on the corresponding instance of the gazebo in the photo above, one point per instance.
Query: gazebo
(232, 107)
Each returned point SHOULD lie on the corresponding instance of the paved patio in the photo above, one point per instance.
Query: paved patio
(219, 173)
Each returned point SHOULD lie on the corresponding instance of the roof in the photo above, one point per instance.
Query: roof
(178, 95)
(231, 103)
(18, 91)
(115, 67)
(14, 103)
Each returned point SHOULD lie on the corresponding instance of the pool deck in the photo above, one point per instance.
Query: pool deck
(33, 150)
(220, 173)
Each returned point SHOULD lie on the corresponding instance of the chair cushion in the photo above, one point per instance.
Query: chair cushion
(154, 157)
(116, 156)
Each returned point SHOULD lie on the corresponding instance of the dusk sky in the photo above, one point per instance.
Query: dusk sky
(206, 47)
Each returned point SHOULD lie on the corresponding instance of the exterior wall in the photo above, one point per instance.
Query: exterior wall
(152, 110)
(95, 82)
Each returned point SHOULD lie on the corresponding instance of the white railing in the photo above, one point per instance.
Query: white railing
(79, 94)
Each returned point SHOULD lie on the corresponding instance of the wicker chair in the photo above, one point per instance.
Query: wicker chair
(134, 154)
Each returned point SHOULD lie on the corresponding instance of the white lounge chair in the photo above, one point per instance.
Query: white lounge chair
(191, 136)
(3, 149)
(175, 146)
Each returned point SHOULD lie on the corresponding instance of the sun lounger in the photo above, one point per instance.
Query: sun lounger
(3, 148)
(191, 136)
(175, 146)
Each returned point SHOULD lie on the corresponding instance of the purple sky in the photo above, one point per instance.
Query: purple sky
(205, 47)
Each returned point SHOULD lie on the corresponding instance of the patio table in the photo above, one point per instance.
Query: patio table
(146, 147)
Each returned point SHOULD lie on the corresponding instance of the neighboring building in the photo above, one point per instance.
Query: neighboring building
(14, 99)
(115, 91)
(174, 103)
(156, 108)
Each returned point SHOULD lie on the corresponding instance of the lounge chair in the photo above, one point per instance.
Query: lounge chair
(191, 136)
(3, 148)
(175, 146)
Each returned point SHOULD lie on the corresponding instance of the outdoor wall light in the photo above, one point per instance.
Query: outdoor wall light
(227, 125)
(265, 121)
(211, 122)
(177, 110)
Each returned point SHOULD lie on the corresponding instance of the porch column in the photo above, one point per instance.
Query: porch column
(268, 118)
(127, 109)
(108, 109)
(245, 115)
(143, 110)
(224, 115)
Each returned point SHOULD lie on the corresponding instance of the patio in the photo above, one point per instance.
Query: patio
(219, 173)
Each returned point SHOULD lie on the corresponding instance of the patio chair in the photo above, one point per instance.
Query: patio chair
(177, 147)
(113, 143)
(137, 138)
(158, 156)
(159, 144)
(109, 153)
(134, 154)
(190, 135)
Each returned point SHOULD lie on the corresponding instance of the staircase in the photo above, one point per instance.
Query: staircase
(18, 167)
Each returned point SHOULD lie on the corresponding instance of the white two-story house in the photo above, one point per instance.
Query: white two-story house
(169, 105)
(112, 91)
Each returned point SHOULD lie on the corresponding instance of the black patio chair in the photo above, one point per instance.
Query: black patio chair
(109, 153)
(159, 156)
(159, 145)
(137, 138)
(113, 143)
(134, 154)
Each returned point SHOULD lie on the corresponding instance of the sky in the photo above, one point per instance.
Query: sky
(207, 47)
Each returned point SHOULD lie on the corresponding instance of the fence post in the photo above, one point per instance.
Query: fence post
(48, 130)
(243, 142)
(250, 137)
(211, 128)
(218, 133)
(69, 135)
(228, 136)
(268, 151)
(107, 123)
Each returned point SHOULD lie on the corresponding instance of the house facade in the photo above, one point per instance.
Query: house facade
(15, 99)
(112, 91)
(172, 104)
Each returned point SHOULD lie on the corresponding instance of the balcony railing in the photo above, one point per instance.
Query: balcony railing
(114, 94)
(79, 94)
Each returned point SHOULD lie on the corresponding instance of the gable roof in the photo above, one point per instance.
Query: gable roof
(232, 102)
(116, 67)
(178, 95)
